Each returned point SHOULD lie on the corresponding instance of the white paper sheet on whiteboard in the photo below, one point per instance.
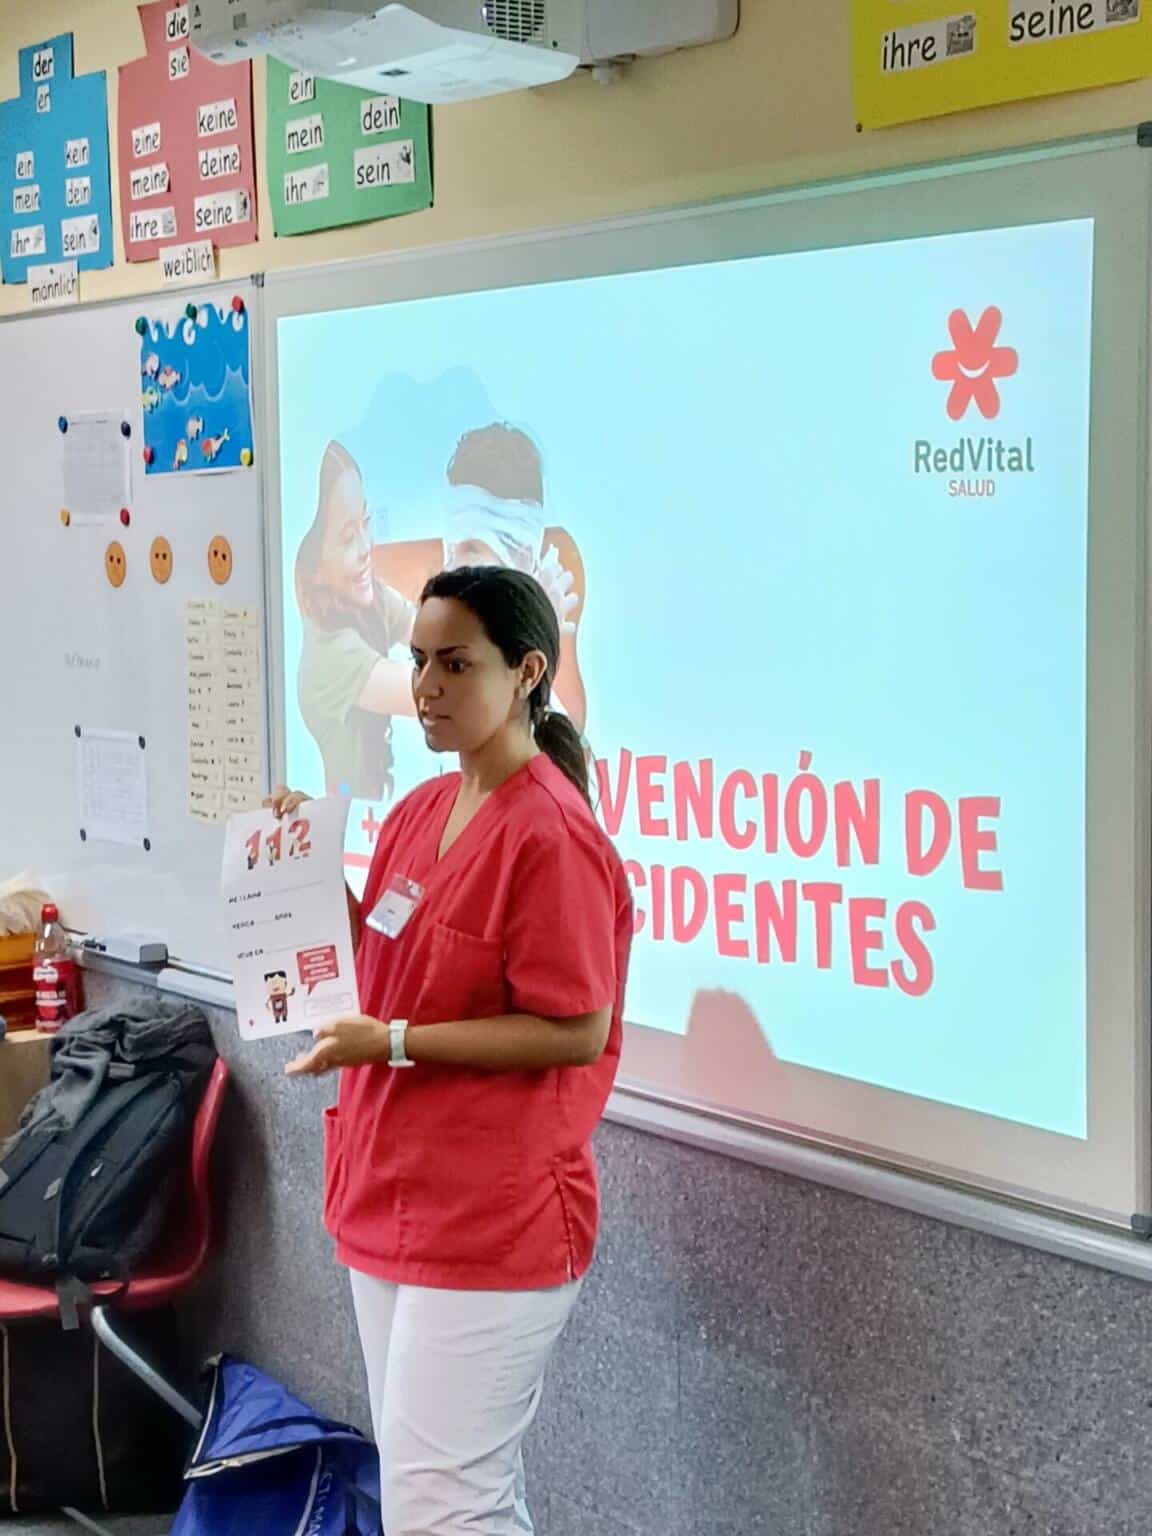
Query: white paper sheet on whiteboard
(97, 467)
(112, 787)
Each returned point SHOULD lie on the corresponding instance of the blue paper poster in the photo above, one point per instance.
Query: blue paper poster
(55, 190)
(196, 391)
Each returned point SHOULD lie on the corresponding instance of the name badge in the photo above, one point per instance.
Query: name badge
(391, 913)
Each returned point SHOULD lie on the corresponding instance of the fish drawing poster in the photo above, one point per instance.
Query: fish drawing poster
(195, 387)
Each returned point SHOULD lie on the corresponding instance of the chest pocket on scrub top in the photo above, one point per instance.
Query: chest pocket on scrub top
(464, 978)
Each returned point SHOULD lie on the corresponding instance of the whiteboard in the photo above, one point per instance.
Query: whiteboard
(321, 331)
(79, 652)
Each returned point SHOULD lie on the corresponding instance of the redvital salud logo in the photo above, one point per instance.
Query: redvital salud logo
(973, 366)
(975, 363)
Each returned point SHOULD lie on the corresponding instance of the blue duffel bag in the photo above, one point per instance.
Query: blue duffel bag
(267, 1462)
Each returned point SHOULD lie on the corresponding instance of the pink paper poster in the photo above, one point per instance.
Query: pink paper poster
(185, 142)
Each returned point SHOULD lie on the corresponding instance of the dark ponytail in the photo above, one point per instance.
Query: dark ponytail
(559, 738)
(518, 617)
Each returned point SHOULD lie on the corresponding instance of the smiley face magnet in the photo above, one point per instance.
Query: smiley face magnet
(160, 560)
(115, 564)
(220, 560)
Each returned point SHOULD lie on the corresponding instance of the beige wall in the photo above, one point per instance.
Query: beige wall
(772, 106)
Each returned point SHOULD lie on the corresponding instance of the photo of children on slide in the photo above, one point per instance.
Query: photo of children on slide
(357, 599)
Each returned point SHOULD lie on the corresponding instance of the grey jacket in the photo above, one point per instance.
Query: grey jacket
(109, 1044)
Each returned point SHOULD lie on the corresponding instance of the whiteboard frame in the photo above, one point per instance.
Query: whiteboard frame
(1118, 1159)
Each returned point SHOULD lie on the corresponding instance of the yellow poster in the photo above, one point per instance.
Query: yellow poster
(924, 58)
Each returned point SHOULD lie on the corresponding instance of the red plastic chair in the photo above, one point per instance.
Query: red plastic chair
(176, 1266)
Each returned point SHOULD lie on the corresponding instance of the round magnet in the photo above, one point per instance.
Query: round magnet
(220, 560)
(160, 560)
(115, 564)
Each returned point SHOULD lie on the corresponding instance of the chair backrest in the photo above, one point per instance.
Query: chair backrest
(203, 1138)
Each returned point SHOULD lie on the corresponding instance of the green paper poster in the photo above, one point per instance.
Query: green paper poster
(339, 155)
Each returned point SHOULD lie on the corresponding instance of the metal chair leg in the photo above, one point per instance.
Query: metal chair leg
(85, 1522)
(82, 1520)
(111, 1340)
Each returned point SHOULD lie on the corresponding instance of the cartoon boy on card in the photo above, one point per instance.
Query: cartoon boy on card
(278, 994)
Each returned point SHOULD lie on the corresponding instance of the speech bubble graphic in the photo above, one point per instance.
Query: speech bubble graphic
(317, 965)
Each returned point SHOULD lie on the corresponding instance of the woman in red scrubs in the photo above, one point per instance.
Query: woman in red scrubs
(460, 1184)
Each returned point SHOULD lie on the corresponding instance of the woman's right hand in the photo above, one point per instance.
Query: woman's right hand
(558, 585)
(284, 801)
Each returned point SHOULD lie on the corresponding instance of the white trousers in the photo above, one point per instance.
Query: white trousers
(455, 1379)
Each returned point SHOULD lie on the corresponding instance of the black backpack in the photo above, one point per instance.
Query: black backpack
(87, 1201)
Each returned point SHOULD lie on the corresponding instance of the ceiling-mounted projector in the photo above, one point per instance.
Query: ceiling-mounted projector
(452, 50)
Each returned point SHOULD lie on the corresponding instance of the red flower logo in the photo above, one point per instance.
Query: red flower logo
(975, 363)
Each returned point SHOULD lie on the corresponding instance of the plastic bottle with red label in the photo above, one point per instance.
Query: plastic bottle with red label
(56, 975)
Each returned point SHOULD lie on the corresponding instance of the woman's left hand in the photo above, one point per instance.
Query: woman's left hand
(352, 1041)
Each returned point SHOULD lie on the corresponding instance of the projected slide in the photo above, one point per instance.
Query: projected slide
(824, 516)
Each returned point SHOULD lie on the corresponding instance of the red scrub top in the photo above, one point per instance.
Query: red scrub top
(458, 1178)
